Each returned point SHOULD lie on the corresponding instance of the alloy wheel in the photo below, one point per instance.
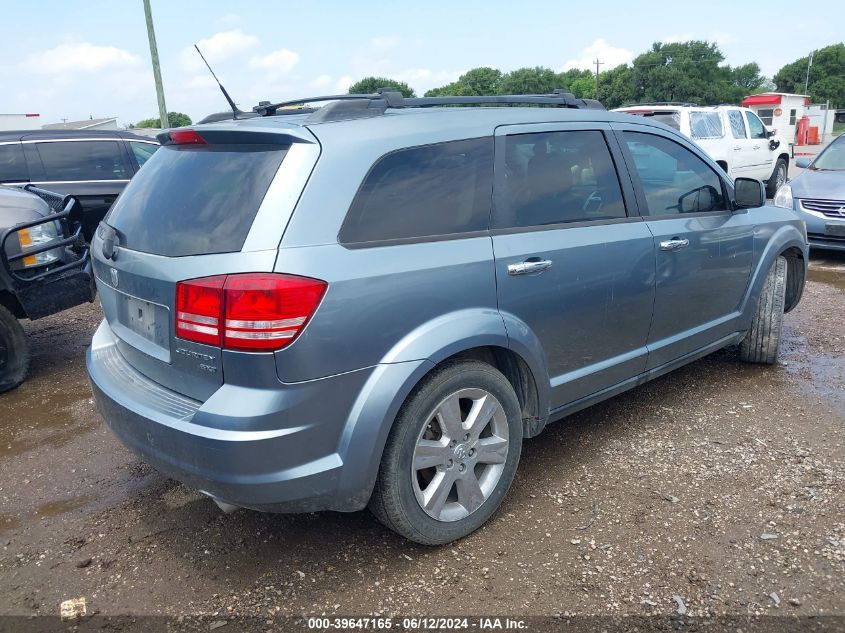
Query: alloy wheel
(460, 454)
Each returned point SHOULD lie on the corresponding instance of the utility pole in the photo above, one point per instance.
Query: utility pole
(809, 65)
(162, 109)
(597, 63)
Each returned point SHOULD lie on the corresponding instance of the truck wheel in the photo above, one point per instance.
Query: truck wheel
(14, 352)
(761, 343)
(778, 178)
(451, 455)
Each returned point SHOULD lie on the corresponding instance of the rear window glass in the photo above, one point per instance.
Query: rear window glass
(706, 125)
(193, 201)
(83, 160)
(672, 118)
(12, 163)
(441, 189)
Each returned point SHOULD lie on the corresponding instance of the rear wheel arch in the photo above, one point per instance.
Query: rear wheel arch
(795, 276)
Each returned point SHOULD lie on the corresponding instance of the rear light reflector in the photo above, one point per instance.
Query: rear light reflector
(199, 303)
(251, 311)
(186, 137)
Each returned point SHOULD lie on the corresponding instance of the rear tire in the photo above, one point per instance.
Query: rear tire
(778, 178)
(434, 485)
(14, 352)
(762, 342)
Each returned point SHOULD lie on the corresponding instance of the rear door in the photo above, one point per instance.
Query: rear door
(571, 263)
(195, 210)
(704, 250)
(741, 156)
(93, 170)
(761, 157)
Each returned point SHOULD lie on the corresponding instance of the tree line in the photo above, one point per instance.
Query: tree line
(687, 72)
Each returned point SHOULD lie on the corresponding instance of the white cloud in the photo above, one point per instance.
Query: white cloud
(422, 79)
(677, 38)
(279, 62)
(80, 56)
(219, 47)
(322, 82)
(611, 56)
(342, 84)
(722, 38)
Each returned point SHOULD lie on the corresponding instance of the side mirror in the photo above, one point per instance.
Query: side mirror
(700, 199)
(804, 162)
(748, 193)
(770, 133)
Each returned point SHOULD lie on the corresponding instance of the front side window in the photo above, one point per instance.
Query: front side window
(755, 125)
(705, 125)
(737, 124)
(434, 190)
(674, 180)
(12, 163)
(557, 177)
(83, 160)
(142, 151)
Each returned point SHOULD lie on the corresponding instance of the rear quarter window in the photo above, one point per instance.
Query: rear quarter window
(12, 163)
(706, 125)
(422, 192)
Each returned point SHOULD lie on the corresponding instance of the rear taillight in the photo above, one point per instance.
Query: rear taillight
(251, 311)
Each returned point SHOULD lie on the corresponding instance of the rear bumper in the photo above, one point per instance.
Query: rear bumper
(279, 450)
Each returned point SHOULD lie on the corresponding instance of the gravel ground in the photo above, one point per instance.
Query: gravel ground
(717, 489)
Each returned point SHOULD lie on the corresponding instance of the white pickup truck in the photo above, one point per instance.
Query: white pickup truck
(734, 137)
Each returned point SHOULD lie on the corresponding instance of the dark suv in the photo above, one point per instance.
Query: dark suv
(93, 166)
(375, 301)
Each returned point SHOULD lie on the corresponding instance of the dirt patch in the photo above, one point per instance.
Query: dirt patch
(720, 484)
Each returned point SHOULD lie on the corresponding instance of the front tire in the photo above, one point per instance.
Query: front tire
(451, 455)
(14, 352)
(778, 178)
(762, 342)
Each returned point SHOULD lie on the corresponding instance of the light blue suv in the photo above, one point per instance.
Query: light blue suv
(374, 301)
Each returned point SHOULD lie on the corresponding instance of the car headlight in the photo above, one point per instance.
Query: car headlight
(36, 236)
(783, 197)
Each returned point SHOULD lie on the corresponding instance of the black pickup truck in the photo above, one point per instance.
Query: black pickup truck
(44, 268)
(840, 116)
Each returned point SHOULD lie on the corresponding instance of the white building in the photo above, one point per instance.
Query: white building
(109, 123)
(781, 111)
(20, 121)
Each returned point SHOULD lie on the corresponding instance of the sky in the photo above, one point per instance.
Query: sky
(91, 59)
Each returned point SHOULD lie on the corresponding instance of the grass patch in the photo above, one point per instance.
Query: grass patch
(838, 128)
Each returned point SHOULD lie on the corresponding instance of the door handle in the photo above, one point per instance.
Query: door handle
(756, 147)
(531, 266)
(675, 244)
(737, 148)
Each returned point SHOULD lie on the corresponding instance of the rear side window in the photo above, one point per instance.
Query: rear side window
(704, 125)
(190, 200)
(12, 163)
(83, 160)
(557, 177)
(737, 124)
(433, 190)
(142, 151)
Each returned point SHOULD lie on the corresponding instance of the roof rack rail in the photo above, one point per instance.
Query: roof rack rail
(685, 104)
(357, 105)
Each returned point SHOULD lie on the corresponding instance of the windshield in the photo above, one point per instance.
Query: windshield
(833, 158)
